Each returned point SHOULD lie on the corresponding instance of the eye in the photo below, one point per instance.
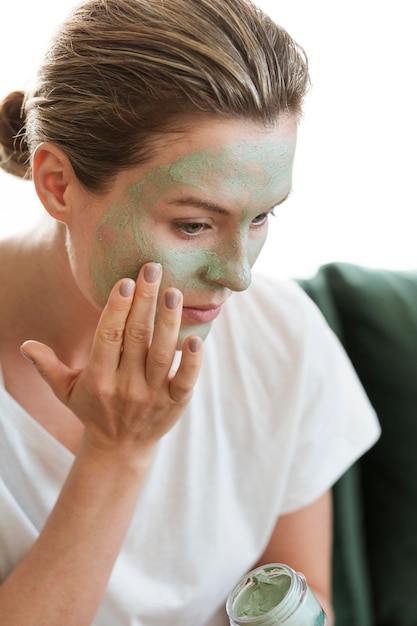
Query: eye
(262, 218)
(191, 229)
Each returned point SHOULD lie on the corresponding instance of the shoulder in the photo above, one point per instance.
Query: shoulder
(278, 310)
(283, 298)
(274, 330)
(274, 336)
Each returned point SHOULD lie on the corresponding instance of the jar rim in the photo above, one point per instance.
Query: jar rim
(283, 610)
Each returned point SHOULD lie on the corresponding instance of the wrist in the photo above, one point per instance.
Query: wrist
(128, 456)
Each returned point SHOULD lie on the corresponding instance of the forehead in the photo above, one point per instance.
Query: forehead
(242, 160)
(211, 139)
(229, 154)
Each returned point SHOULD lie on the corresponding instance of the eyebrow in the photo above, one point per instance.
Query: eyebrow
(209, 206)
(200, 204)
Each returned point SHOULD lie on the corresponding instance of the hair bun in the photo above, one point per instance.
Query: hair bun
(14, 155)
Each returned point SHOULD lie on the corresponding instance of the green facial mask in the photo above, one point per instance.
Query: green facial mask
(241, 175)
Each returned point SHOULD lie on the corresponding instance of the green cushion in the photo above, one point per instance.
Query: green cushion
(351, 589)
(352, 601)
(319, 291)
(377, 311)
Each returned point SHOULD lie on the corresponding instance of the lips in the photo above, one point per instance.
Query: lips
(200, 315)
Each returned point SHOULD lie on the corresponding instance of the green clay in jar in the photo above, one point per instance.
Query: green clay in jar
(262, 595)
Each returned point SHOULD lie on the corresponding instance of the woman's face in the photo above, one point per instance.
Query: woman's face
(199, 208)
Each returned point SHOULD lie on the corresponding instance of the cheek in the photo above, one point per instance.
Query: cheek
(114, 254)
(185, 269)
(255, 246)
(121, 242)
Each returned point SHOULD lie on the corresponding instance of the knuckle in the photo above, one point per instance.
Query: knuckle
(158, 359)
(181, 393)
(129, 398)
(170, 322)
(99, 387)
(138, 333)
(149, 293)
(112, 335)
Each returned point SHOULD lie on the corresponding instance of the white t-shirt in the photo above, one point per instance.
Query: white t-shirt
(277, 416)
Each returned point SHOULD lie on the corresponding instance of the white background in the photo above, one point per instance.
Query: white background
(354, 193)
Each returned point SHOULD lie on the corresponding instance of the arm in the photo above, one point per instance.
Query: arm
(303, 540)
(127, 401)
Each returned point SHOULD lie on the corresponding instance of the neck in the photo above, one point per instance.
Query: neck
(48, 305)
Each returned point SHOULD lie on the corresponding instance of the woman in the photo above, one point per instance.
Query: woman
(140, 480)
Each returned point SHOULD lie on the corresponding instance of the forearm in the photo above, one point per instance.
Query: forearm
(64, 576)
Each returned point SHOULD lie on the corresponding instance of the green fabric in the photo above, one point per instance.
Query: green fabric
(351, 587)
(318, 290)
(351, 592)
(375, 314)
(378, 314)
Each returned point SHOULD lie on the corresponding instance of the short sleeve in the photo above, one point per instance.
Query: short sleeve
(336, 422)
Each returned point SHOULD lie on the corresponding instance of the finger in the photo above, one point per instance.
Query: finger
(165, 339)
(59, 377)
(182, 384)
(109, 336)
(140, 324)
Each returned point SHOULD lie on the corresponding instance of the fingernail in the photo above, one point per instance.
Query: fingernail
(27, 357)
(172, 299)
(195, 344)
(127, 288)
(152, 272)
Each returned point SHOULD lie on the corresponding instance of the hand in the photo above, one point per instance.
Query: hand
(126, 393)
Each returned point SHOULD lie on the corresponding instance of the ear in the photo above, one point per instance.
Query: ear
(53, 174)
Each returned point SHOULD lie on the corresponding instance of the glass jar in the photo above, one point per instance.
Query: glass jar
(272, 595)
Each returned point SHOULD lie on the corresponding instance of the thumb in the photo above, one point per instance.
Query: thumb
(59, 377)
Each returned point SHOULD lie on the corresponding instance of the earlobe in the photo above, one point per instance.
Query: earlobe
(52, 174)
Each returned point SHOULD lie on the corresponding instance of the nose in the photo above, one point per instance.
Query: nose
(230, 269)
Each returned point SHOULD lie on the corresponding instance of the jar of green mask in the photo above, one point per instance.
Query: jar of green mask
(273, 595)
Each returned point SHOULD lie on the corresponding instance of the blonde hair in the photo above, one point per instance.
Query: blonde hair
(119, 72)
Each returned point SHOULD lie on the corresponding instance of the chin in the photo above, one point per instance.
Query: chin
(192, 331)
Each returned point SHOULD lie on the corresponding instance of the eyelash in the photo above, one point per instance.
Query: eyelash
(202, 227)
(182, 226)
(264, 217)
